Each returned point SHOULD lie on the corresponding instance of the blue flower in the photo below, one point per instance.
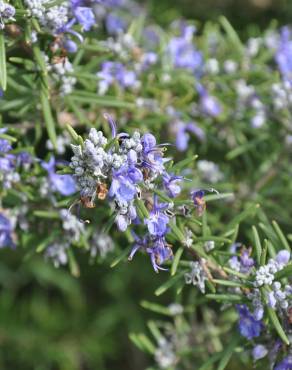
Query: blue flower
(140, 243)
(123, 183)
(283, 257)
(6, 229)
(159, 253)
(158, 221)
(248, 326)
(114, 24)
(182, 134)
(152, 154)
(246, 261)
(198, 199)
(170, 183)
(209, 104)
(85, 17)
(259, 351)
(63, 184)
(286, 364)
(115, 72)
(83, 14)
(284, 54)
(182, 52)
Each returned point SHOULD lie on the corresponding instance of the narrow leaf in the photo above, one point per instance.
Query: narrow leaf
(257, 242)
(176, 260)
(168, 284)
(281, 236)
(276, 323)
(3, 71)
(49, 121)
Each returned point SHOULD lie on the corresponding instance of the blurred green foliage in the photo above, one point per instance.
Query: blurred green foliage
(51, 320)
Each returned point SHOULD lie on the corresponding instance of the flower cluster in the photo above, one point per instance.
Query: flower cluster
(11, 164)
(269, 291)
(126, 171)
(7, 12)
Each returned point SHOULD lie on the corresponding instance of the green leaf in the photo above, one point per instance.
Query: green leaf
(155, 308)
(184, 163)
(228, 283)
(40, 60)
(245, 214)
(212, 238)
(74, 268)
(264, 253)
(276, 323)
(211, 360)
(285, 272)
(242, 149)
(3, 71)
(142, 208)
(44, 243)
(177, 232)
(49, 121)
(108, 225)
(176, 260)
(72, 133)
(168, 284)
(8, 137)
(213, 197)
(102, 101)
(257, 242)
(142, 342)
(281, 236)
(118, 259)
(154, 330)
(232, 35)
(235, 273)
(47, 214)
(227, 353)
(163, 196)
(225, 297)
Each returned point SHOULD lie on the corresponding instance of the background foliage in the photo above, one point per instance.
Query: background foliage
(52, 320)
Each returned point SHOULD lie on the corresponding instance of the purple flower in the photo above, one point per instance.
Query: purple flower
(272, 301)
(248, 326)
(283, 257)
(122, 189)
(5, 146)
(70, 46)
(7, 163)
(123, 184)
(115, 24)
(284, 54)
(183, 54)
(159, 253)
(115, 72)
(259, 351)
(6, 229)
(148, 59)
(209, 104)
(83, 14)
(152, 154)
(246, 261)
(63, 184)
(286, 364)
(182, 136)
(198, 199)
(158, 221)
(140, 243)
(170, 183)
